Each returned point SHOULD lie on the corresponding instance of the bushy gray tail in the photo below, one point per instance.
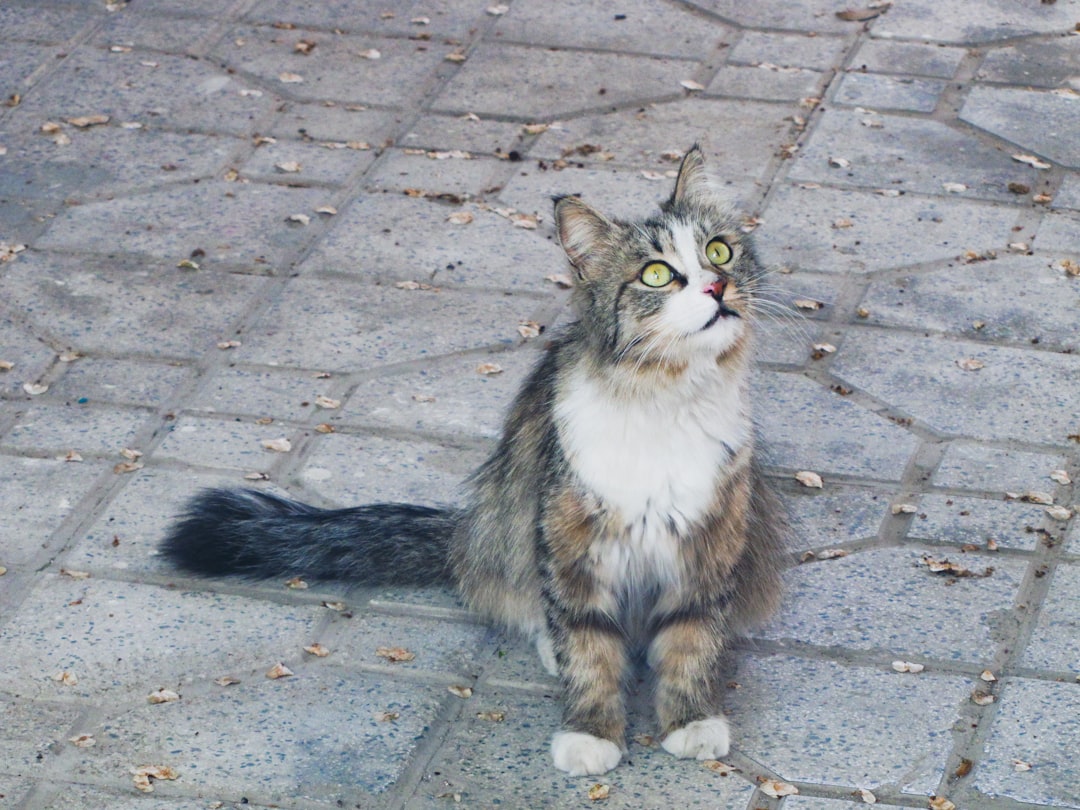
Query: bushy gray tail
(254, 534)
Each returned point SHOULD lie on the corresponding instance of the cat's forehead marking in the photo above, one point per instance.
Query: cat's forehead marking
(685, 243)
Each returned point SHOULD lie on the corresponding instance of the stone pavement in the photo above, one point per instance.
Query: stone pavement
(293, 205)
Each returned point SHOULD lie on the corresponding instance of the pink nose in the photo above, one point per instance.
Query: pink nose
(715, 288)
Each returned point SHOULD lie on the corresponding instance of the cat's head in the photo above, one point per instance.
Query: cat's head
(667, 289)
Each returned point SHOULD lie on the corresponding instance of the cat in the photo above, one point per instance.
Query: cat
(622, 511)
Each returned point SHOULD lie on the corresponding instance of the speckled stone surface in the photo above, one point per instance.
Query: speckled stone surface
(330, 222)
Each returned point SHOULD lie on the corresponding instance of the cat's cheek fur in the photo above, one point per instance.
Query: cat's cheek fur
(702, 739)
(582, 754)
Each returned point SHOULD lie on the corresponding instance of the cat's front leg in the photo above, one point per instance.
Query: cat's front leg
(591, 654)
(685, 653)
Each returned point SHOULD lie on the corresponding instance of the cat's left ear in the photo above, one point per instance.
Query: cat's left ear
(583, 232)
(693, 181)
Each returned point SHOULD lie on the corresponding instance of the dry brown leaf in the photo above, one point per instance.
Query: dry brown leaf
(866, 796)
(67, 572)
(809, 479)
(303, 219)
(386, 717)
(946, 566)
(862, 14)
(808, 303)
(66, 678)
(83, 741)
(529, 329)
(718, 767)
(498, 10)
(288, 166)
(456, 56)
(460, 218)
(322, 427)
(776, 788)
(907, 666)
(290, 78)
(903, 509)
(328, 210)
(535, 129)
(489, 369)
(839, 163)
(423, 398)
(278, 670)
(692, 85)
(1021, 766)
(162, 696)
(317, 649)
(71, 456)
(304, 46)
(144, 773)
(954, 188)
(280, 445)
(127, 467)
(395, 655)
(2, 570)
(491, 717)
(227, 680)
(35, 389)
(527, 221)
(599, 792)
(1068, 266)
(1034, 496)
(463, 692)
(296, 584)
(335, 606)
(980, 698)
(1059, 513)
(988, 676)
(1032, 161)
(970, 364)
(1061, 477)
(842, 223)
(831, 553)
(84, 121)
(560, 280)
(6, 365)
(327, 402)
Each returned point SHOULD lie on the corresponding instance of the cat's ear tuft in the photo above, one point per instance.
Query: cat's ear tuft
(583, 231)
(693, 180)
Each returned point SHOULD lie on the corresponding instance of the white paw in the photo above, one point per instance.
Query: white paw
(579, 754)
(702, 739)
(546, 649)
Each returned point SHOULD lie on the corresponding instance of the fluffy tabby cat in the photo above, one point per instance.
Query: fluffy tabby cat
(621, 512)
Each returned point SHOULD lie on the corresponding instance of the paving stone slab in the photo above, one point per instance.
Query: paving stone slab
(125, 305)
(908, 154)
(1033, 119)
(307, 327)
(125, 639)
(223, 443)
(13, 790)
(54, 429)
(805, 15)
(399, 238)
(30, 735)
(447, 649)
(973, 521)
(1037, 722)
(464, 132)
(973, 466)
(275, 394)
(456, 177)
(788, 50)
(361, 469)
(20, 61)
(766, 82)
(865, 601)
(39, 494)
(852, 727)
(955, 21)
(889, 92)
(313, 163)
(121, 382)
(178, 92)
(787, 403)
(1060, 232)
(449, 397)
(81, 797)
(445, 18)
(157, 29)
(529, 83)
(914, 58)
(739, 138)
(230, 222)
(1046, 62)
(1068, 195)
(336, 68)
(1055, 641)
(333, 123)
(30, 356)
(1040, 304)
(1019, 394)
(507, 763)
(43, 25)
(834, 518)
(637, 27)
(886, 231)
(315, 736)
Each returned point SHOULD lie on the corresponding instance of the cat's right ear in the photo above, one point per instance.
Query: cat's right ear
(583, 231)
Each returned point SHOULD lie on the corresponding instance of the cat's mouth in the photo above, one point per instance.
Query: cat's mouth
(722, 311)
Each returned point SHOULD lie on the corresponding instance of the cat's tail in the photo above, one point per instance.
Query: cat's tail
(258, 535)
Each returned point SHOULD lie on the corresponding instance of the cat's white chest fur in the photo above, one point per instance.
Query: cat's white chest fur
(655, 461)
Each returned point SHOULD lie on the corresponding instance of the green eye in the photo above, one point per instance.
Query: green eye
(657, 274)
(718, 252)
